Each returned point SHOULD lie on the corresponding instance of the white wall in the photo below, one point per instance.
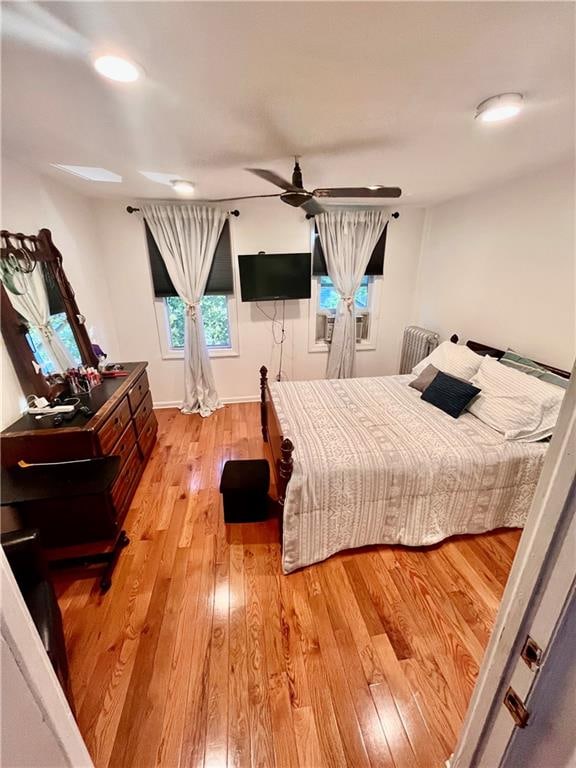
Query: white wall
(265, 225)
(30, 202)
(497, 266)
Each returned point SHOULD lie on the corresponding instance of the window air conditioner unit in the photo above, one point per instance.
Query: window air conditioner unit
(329, 328)
(361, 327)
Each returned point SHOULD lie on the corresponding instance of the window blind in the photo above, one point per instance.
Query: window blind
(55, 300)
(375, 265)
(220, 279)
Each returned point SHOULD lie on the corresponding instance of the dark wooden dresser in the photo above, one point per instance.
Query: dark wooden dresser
(123, 424)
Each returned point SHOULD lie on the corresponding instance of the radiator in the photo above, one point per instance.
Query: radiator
(417, 344)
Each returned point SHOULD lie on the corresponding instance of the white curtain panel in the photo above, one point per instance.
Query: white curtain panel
(187, 236)
(34, 308)
(348, 239)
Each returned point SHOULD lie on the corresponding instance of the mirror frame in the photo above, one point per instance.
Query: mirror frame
(41, 249)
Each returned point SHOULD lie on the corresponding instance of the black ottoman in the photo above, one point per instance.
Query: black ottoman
(244, 485)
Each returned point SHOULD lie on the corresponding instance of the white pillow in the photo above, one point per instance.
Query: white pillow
(520, 406)
(454, 359)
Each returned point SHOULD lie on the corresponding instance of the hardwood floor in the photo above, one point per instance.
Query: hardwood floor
(204, 654)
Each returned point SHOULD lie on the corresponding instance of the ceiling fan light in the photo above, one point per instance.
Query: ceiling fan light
(296, 198)
(498, 108)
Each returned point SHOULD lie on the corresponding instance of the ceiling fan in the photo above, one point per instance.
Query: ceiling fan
(294, 193)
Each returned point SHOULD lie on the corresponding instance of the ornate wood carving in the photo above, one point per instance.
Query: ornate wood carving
(263, 409)
(285, 467)
(39, 248)
(483, 349)
(280, 448)
(14, 332)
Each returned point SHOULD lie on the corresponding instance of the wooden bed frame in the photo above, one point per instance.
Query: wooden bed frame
(282, 448)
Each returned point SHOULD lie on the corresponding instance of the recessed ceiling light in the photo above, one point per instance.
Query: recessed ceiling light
(160, 178)
(182, 187)
(89, 173)
(501, 107)
(117, 68)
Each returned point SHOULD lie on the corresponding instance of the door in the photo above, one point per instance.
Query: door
(38, 727)
(551, 740)
(538, 603)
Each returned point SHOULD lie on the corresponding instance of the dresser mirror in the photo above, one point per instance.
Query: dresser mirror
(43, 329)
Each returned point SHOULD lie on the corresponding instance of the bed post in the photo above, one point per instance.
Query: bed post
(285, 467)
(263, 409)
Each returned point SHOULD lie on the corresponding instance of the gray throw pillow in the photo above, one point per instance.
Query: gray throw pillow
(425, 379)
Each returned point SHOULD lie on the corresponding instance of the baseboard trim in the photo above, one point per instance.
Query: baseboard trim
(226, 400)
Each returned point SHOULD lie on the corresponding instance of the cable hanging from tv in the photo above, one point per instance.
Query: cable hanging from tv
(277, 339)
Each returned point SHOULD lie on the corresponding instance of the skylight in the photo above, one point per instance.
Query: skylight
(90, 173)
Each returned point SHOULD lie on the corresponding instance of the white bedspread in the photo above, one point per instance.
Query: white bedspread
(374, 464)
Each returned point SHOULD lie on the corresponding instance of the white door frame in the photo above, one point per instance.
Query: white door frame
(19, 633)
(549, 523)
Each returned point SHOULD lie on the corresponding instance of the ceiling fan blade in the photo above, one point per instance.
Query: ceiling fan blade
(243, 197)
(273, 178)
(312, 207)
(372, 191)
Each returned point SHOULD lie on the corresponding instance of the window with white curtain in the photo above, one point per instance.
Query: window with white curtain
(325, 299)
(218, 304)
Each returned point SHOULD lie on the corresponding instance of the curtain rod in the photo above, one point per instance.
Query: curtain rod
(131, 209)
(236, 212)
(394, 215)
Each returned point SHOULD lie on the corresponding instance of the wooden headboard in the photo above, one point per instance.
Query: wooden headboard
(484, 349)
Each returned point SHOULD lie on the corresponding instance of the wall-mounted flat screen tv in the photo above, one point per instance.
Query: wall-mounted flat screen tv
(269, 276)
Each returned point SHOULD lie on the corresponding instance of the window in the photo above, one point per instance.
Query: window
(63, 330)
(61, 327)
(329, 296)
(217, 305)
(325, 303)
(215, 319)
(325, 297)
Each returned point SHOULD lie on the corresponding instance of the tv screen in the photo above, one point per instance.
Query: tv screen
(268, 276)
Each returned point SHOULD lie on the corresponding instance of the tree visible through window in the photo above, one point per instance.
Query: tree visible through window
(329, 296)
(214, 318)
(61, 327)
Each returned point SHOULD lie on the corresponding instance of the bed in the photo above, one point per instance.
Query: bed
(366, 461)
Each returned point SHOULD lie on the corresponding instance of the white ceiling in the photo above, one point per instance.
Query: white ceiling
(367, 93)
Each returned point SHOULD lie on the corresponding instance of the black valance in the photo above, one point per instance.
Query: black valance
(220, 279)
(55, 299)
(375, 265)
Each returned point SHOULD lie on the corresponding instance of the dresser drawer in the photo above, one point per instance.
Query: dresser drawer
(147, 436)
(137, 392)
(143, 413)
(125, 444)
(125, 483)
(112, 429)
